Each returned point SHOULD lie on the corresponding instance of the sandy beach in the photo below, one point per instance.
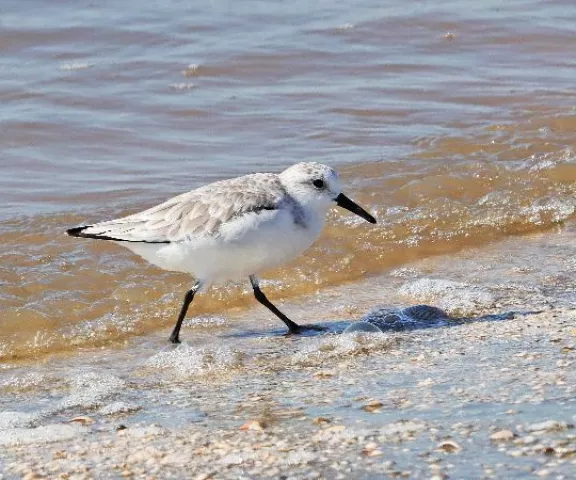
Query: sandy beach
(488, 395)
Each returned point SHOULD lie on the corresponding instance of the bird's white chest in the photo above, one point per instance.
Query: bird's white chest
(268, 243)
(246, 246)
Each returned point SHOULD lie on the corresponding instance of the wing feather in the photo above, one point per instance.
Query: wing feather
(197, 213)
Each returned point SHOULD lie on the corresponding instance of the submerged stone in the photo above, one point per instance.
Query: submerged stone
(362, 327)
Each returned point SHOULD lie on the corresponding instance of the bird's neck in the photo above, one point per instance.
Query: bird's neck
(313, 219)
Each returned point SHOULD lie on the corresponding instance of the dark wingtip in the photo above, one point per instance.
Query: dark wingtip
(79, 232)
(76, 231)
(371, 219)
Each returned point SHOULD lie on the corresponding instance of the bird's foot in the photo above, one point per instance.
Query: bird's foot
(300, 329)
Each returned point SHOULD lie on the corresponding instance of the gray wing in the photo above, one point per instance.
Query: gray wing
(197, 213)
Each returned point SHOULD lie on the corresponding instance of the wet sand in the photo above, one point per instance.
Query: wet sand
(488, 395)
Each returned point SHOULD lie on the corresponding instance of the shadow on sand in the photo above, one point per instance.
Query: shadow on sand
(391, 319)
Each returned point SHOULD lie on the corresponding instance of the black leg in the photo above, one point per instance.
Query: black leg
(259, 294)
(175, 336)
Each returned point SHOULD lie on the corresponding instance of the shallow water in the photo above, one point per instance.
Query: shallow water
(454, 123)
(497, 359)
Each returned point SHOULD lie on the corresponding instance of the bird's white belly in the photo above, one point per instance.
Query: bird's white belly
(262, 241)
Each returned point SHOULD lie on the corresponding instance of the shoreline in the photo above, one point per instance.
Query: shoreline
(475, 399)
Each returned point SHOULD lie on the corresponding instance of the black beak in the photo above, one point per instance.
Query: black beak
(344, 202)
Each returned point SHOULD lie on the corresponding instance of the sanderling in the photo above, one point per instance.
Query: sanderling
(232, 228)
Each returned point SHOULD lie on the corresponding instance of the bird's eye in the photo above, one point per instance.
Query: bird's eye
(318, 183)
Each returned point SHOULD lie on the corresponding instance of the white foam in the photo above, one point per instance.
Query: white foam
(182, 86)
(338, 346)
(206, 321)
(457, 299)
(361, 328)
(43, 434)
(118, 408)
(190, 70)
(345, 27)
(25, 381)
(10, 420)
(185, 360)
(89, 389)
(68, 67)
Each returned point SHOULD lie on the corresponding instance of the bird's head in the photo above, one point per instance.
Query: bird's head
(316, 186)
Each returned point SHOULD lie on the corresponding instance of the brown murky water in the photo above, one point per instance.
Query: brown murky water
(454, 122)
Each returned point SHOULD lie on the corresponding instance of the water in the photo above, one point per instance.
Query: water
(455, 380)
(453, 122)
